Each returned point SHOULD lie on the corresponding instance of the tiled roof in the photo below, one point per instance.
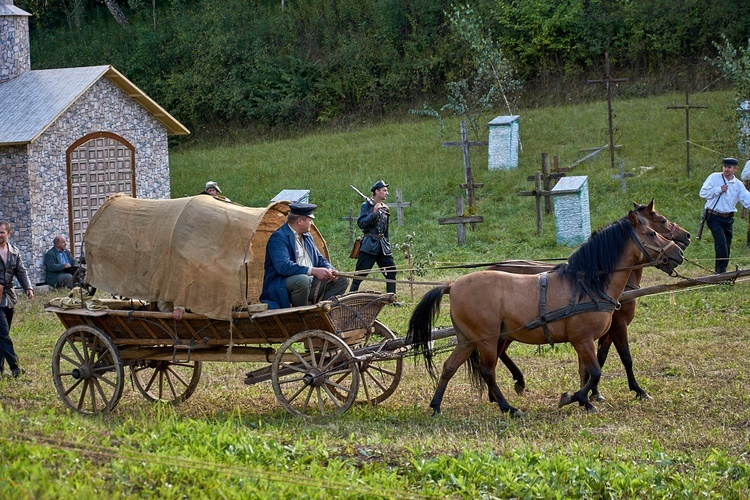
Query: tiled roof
(30, 103)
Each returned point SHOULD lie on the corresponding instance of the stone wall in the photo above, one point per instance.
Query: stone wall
(15, 58)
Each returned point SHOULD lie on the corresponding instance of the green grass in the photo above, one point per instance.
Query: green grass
(233, 441)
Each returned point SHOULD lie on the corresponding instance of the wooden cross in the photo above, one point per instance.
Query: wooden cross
(400, 204)
(465, 143)
(687, 107)
(609, 80)
(351, 220)
(537, 192)
(460, 220)
(547, 179)
(622, 176)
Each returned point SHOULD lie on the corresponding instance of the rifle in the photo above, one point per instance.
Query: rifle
(363, 195)
(700, 227)
(385, 209)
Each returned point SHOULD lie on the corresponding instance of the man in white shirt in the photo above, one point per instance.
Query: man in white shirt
(722, 190)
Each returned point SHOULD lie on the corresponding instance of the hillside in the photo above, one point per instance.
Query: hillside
(408, 155)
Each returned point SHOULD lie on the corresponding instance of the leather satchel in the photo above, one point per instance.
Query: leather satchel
(355, 249)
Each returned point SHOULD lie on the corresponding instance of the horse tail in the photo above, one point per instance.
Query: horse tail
(419, 334)
(473, 370)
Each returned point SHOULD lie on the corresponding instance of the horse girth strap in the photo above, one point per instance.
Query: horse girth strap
(607, 305)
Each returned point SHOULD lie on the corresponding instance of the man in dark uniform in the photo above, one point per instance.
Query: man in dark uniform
(373, 221)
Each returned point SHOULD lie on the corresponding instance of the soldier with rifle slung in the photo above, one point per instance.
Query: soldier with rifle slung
(375, 248)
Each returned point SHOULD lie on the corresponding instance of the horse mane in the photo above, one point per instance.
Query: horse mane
(596, 260)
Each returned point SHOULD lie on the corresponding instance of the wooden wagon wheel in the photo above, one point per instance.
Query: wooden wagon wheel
(169, 381)
(379, 377)
(320, 379)
(87, 370)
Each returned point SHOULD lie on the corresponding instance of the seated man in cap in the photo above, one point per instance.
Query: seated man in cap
(374, 220)
(296, 274)
(722, 190)
(212, 189)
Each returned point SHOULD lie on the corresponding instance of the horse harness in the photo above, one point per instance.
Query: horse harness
(603, 303)
(599, 302)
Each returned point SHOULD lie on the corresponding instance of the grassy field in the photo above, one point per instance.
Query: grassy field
(233, 441)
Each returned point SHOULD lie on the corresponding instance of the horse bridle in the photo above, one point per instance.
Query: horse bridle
(661, 260)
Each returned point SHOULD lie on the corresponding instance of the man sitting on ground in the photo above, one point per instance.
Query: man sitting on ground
(59, 264)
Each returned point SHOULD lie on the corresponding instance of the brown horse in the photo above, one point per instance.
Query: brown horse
(575, 306)
(621, 318)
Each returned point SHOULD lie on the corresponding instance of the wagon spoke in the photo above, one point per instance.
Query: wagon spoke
(291, 380)
(71, 360)
(82, 396)
(172, 377)
(92, 393)
(102, 378)
(337, 386)
(332, 397)
(296, 368)
(100, 390)
(76, 352)
(300, 357)
(75, 384)
(331, 362)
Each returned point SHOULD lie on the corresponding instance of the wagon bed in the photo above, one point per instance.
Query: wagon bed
(315, 356)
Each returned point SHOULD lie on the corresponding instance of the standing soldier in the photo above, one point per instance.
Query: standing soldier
(373, 221)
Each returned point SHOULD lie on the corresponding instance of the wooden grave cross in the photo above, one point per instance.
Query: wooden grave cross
(537, 192)
(460, 220)
(469, 185)
(608, 80)
(687, 106)
(351, 220)
(547, 179)
(622, 175)
(400, 205)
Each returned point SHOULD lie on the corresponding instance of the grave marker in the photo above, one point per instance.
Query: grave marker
(460, 220)
(465, 143)
(687, 106)
(400, 205)
(572, 216)
(608, 80)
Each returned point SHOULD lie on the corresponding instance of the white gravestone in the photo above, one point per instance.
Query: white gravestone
(743, 126)
(503, 143)
(293, 195)
(572, 216)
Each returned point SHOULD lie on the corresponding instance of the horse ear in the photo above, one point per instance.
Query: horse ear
(635, 205)
(633, 217)
(651, 205)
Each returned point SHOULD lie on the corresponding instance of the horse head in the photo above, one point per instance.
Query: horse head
(665, 254)
(670, 230)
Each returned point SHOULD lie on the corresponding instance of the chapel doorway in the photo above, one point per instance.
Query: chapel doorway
(99, 165)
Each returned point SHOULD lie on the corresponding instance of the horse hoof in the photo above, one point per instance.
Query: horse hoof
(519, 389)
(565, 399)
(597, 397)
(590, 409)
(515, 413)
(643, 396)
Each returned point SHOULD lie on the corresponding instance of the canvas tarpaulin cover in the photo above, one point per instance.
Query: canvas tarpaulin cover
(196, 252)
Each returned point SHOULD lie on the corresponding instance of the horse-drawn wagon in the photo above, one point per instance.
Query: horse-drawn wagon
(207, 256)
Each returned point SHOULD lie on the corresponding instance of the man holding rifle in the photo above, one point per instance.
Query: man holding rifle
(373, 220)
(722, 190)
